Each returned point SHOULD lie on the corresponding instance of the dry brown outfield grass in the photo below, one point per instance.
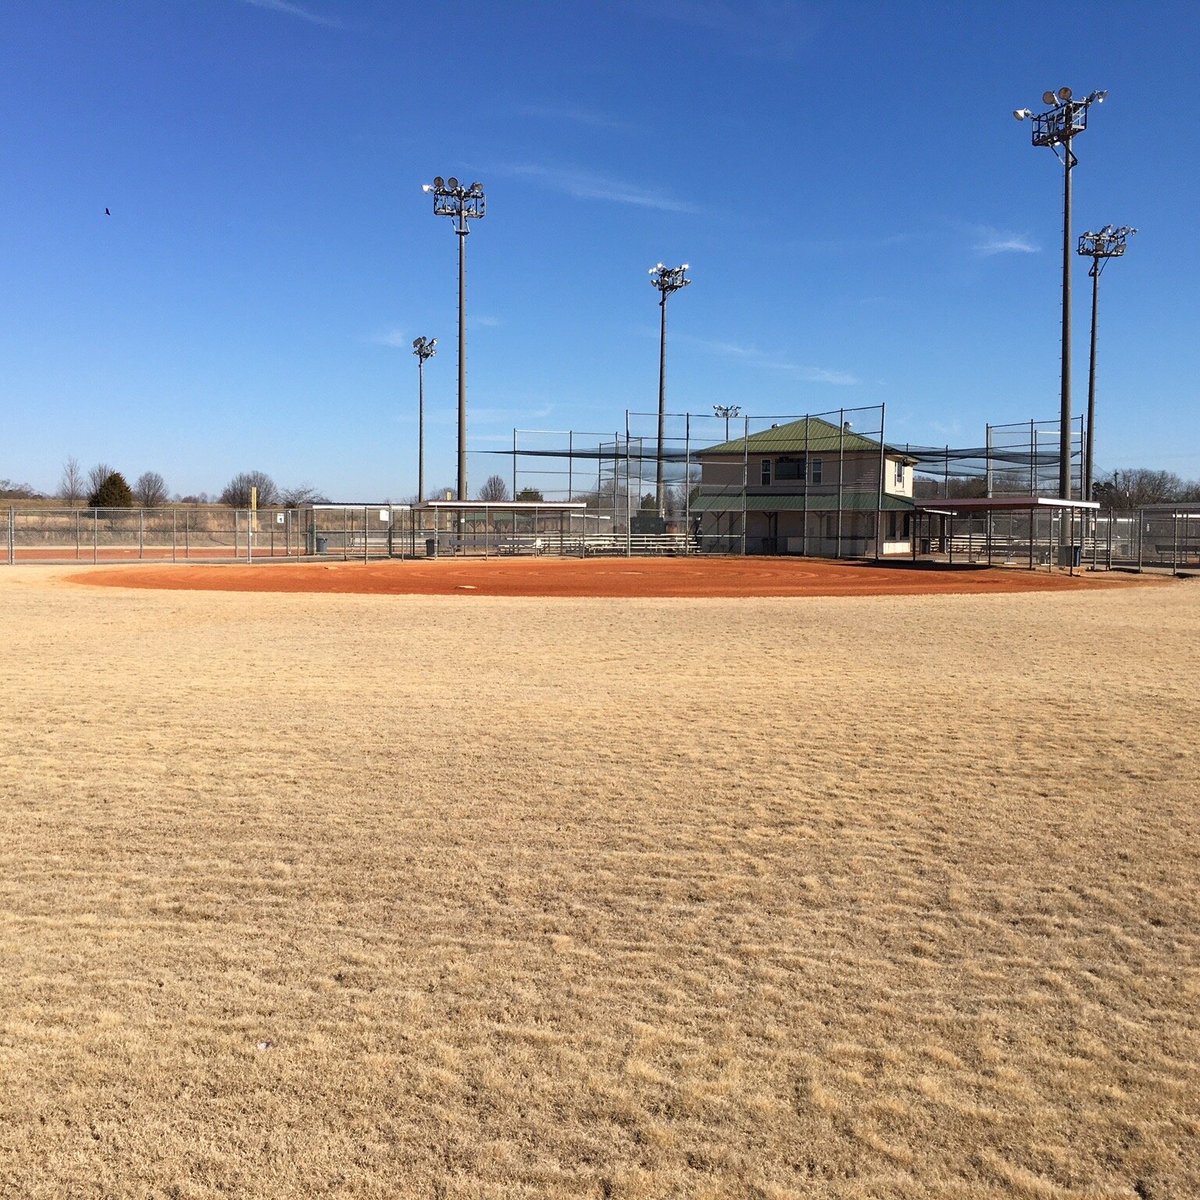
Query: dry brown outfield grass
(848, 898)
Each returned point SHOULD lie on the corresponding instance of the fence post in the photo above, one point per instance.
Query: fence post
(95, 536)
(141, 533)
(12, 536)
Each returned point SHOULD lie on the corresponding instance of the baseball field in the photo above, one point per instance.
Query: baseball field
(822, 885)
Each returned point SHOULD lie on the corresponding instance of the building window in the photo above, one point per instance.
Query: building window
(789, 468)
(766, 472)
(899, 473)
(816, 470)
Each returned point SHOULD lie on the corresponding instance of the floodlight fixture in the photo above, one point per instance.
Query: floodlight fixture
(423, 348)
(727, 411)
(451, 199)
(669, 279)
(666, 280)
(1056, 128)
(1108, 242)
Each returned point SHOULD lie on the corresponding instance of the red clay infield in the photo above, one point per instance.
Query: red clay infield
(624, 577)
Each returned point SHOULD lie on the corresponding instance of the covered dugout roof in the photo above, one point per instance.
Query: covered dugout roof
(974, 504)
(490, 506)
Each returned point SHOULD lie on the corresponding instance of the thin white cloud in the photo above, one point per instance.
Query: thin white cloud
(998, 241)
(402, 339)
(728, 349)
(776, 29)
(393, 337)
(490, 416)
(294, 10)
(571, 114)
(752, 354)
(824, 375)
(589, 185)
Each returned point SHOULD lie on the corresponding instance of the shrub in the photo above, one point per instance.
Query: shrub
(113, 492)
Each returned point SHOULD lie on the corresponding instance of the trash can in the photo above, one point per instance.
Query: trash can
(431, 547)
(322, 544)
(1068, 556)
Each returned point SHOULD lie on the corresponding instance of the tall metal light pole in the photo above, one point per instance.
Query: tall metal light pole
(423, 348)
(451, 199)
(667, 280)
(1056, 128)
(727, 411)
(1099, 247)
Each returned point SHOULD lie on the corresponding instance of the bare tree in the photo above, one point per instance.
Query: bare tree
(150, 491)
(302, 493)
(1132, 488)
(10, 489)
(494, 490)
(71, 487)
(237, 490)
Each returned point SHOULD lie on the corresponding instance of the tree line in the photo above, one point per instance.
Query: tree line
(103, 486)
(1123, 490)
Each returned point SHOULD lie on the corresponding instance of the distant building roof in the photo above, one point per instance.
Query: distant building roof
(811, 434)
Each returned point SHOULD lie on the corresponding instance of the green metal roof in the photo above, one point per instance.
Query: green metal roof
(809, 434)
(790, 502)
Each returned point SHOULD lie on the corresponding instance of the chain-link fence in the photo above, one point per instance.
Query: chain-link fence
(64, 535)
(820, 484)
(1156, 536)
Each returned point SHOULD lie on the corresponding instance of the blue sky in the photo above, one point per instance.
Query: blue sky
(864, 220)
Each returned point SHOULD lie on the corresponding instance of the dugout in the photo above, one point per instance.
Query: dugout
(500, 527)
(1037, 530)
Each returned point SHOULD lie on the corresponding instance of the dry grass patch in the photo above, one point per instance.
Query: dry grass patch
(394, 896)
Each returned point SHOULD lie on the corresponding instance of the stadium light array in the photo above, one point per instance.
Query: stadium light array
(1100, 246)
(666, 280)
(1056, 128)
(423, 348)
(464, 204)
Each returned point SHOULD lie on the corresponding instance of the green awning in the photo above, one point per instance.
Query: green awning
(819, 502)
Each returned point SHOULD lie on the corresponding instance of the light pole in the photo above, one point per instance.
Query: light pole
(667, 280)
(1099, 247)
(1054, 128)
(451, 199)
(423, 348)
(727, 411)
